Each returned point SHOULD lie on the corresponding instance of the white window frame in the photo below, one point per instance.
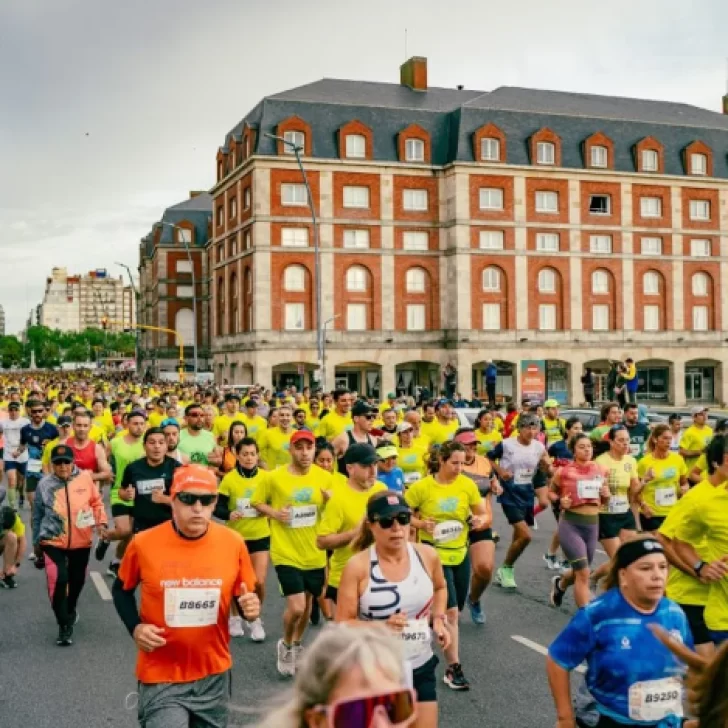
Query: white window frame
(416, 317)
(183, 266)
(547, 280)
(415, 280)
(294, 285)
(298, 138)
(357, 239)
(491, 240)
(491, 317)
(700, 318)
(356, 279)
(651, 246)
(700, 210)
(545, 153)
(491, 279)
(651, 317)
(547, 242)
(414, 150)
(293, 194)
(699, 164)
(700, 248)
(247, 237)
(233, 208)
(490, 149)
(600, 281)
(650, 161)
(600, 243)
(294, 317)
(415, 240)
(356, 317)
(651, 283)
(491, 198)
(412, 200)
(247, 197)
(544, 200)
(184, 291)
(356, 146)
(294, 237)
(184, 235)
(547, 317)
(651, 207)
(600, 317)
(356, 197)
(599, 157)
(700, 284)
(608, 210)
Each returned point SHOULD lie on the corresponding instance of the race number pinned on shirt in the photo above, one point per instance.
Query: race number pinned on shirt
(665, 496)
(448, 531)
(185, 607)
(85, 519)
(618, 504)
(303, 516)
(589, 489)
(635, 448)
(147, 487)
(653, 700)
(411, 477)
(523, 476)
(33, 466)
(416, 638)
(242, 506)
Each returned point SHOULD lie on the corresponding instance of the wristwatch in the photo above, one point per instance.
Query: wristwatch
(698, 567)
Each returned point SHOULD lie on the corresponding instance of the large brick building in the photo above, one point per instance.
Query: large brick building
(458, 226)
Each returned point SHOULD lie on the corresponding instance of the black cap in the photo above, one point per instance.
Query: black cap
(61, 454)
(232, 395)
(361, 453)
(64, 420)
(362, 408)
(14, 405)
(387, 505)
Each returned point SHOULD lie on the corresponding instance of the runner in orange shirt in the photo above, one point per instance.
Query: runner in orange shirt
(190, 569)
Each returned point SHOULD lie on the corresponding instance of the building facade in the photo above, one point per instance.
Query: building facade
(2, 321)
(167, 255)
(546, 231)
(79, 302)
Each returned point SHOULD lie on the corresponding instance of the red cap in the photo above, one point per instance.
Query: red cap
(193, 477)
(466, 438)
(299, 435)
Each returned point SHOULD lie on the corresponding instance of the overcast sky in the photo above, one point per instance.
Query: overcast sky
(111, 111)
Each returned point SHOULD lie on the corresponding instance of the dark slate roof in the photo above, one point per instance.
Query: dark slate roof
(197, 210)
(451, 116)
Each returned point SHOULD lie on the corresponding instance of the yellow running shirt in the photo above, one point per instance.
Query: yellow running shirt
(274, 445)
(487, 440)
(239, 490)
(334, 424)
(695, 438)
(619, 477)
(662, 492)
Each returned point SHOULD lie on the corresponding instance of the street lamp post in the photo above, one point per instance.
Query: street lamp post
(323, 349)
(194, 289)
(137, 303)
(316, 255)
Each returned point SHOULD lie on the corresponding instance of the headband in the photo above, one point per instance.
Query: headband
(631, 551)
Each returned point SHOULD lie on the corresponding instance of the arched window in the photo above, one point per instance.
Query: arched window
(294, 278)
(356, 279)
(184, 324)
(600, 281)
(491, 279)
(651, 283)
(547, 281)
(700, 284)
(415, 281)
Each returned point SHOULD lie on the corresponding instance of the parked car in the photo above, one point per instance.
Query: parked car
(590, 418)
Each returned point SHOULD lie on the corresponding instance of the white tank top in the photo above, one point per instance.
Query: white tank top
(414, 595)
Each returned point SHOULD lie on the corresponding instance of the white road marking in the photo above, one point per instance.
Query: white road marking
(536, 647)
(101, 586)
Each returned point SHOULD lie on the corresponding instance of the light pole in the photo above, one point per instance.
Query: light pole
(323, 349)
(316, 255)
(137, 303)
(194, 288)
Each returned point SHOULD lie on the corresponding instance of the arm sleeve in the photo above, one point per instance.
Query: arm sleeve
(222, 507)
(126, 606)
(574, 643)
(496, 453)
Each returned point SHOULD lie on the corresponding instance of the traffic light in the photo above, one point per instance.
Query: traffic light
(104, 322)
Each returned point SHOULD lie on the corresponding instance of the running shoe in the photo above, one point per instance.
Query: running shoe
(535, 524)
(504, 576)
(297, 655)
(257, 633)
(557, 593)
(65, 636)
(455, 679)
(552, 563)
(285, 660)
(74, 618)
(235, 626)
(32, 556)
(8, 582)
(476, 612)
(102, 547)
(113, 568)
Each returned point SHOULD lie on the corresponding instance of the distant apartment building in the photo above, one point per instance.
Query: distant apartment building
(167, 255)
(544, 230)
(79, 302)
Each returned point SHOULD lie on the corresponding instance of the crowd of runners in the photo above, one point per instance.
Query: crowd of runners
(369, 513)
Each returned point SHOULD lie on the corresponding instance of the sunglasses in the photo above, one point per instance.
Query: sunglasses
(398, 707)
(189, 499)
(368, 417)
(388, 521)
(37, 412)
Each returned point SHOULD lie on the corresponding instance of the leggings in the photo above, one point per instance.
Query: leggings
(66, 575)
(578, 540)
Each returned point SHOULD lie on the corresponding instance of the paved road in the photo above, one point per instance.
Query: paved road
(92, 683)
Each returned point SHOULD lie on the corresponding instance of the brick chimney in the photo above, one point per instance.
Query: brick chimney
(196, 193)
(413, 73)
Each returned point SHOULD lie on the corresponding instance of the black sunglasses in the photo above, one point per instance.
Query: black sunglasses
(369, 417)
(37, 411)
(189, 499)
(388, 521)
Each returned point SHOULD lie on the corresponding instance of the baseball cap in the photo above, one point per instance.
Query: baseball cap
(698, 409)
(466, 438)
(232, 395)
(61, 454)
(391, 395)
(404, 427)
(193, 477)
(14, 405)
(64, 420)
(170, 421)
(362, 408)
(299, 435)
(550, 403)
(361, 453)
(386, 505)
(387, 451)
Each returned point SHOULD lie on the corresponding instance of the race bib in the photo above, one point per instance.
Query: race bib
(523, 476)
(665, 496)
(242, 505)
(416, 638)
(146, 487)
(191, 607)
(589, 489)
(618, 504)
(634, 449)
(411, 477)
(303, 516)
(33, 466)
(448, 531)
(85, 519)
(653, 700)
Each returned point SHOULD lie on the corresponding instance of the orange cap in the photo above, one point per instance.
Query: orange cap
(193, 477)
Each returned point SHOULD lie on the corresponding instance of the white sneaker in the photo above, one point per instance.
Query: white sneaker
(285, 659)
(257, 633)
(297, 655)
(235, 625)
(32, 556)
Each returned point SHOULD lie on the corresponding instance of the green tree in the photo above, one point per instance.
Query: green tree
(11, 352)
